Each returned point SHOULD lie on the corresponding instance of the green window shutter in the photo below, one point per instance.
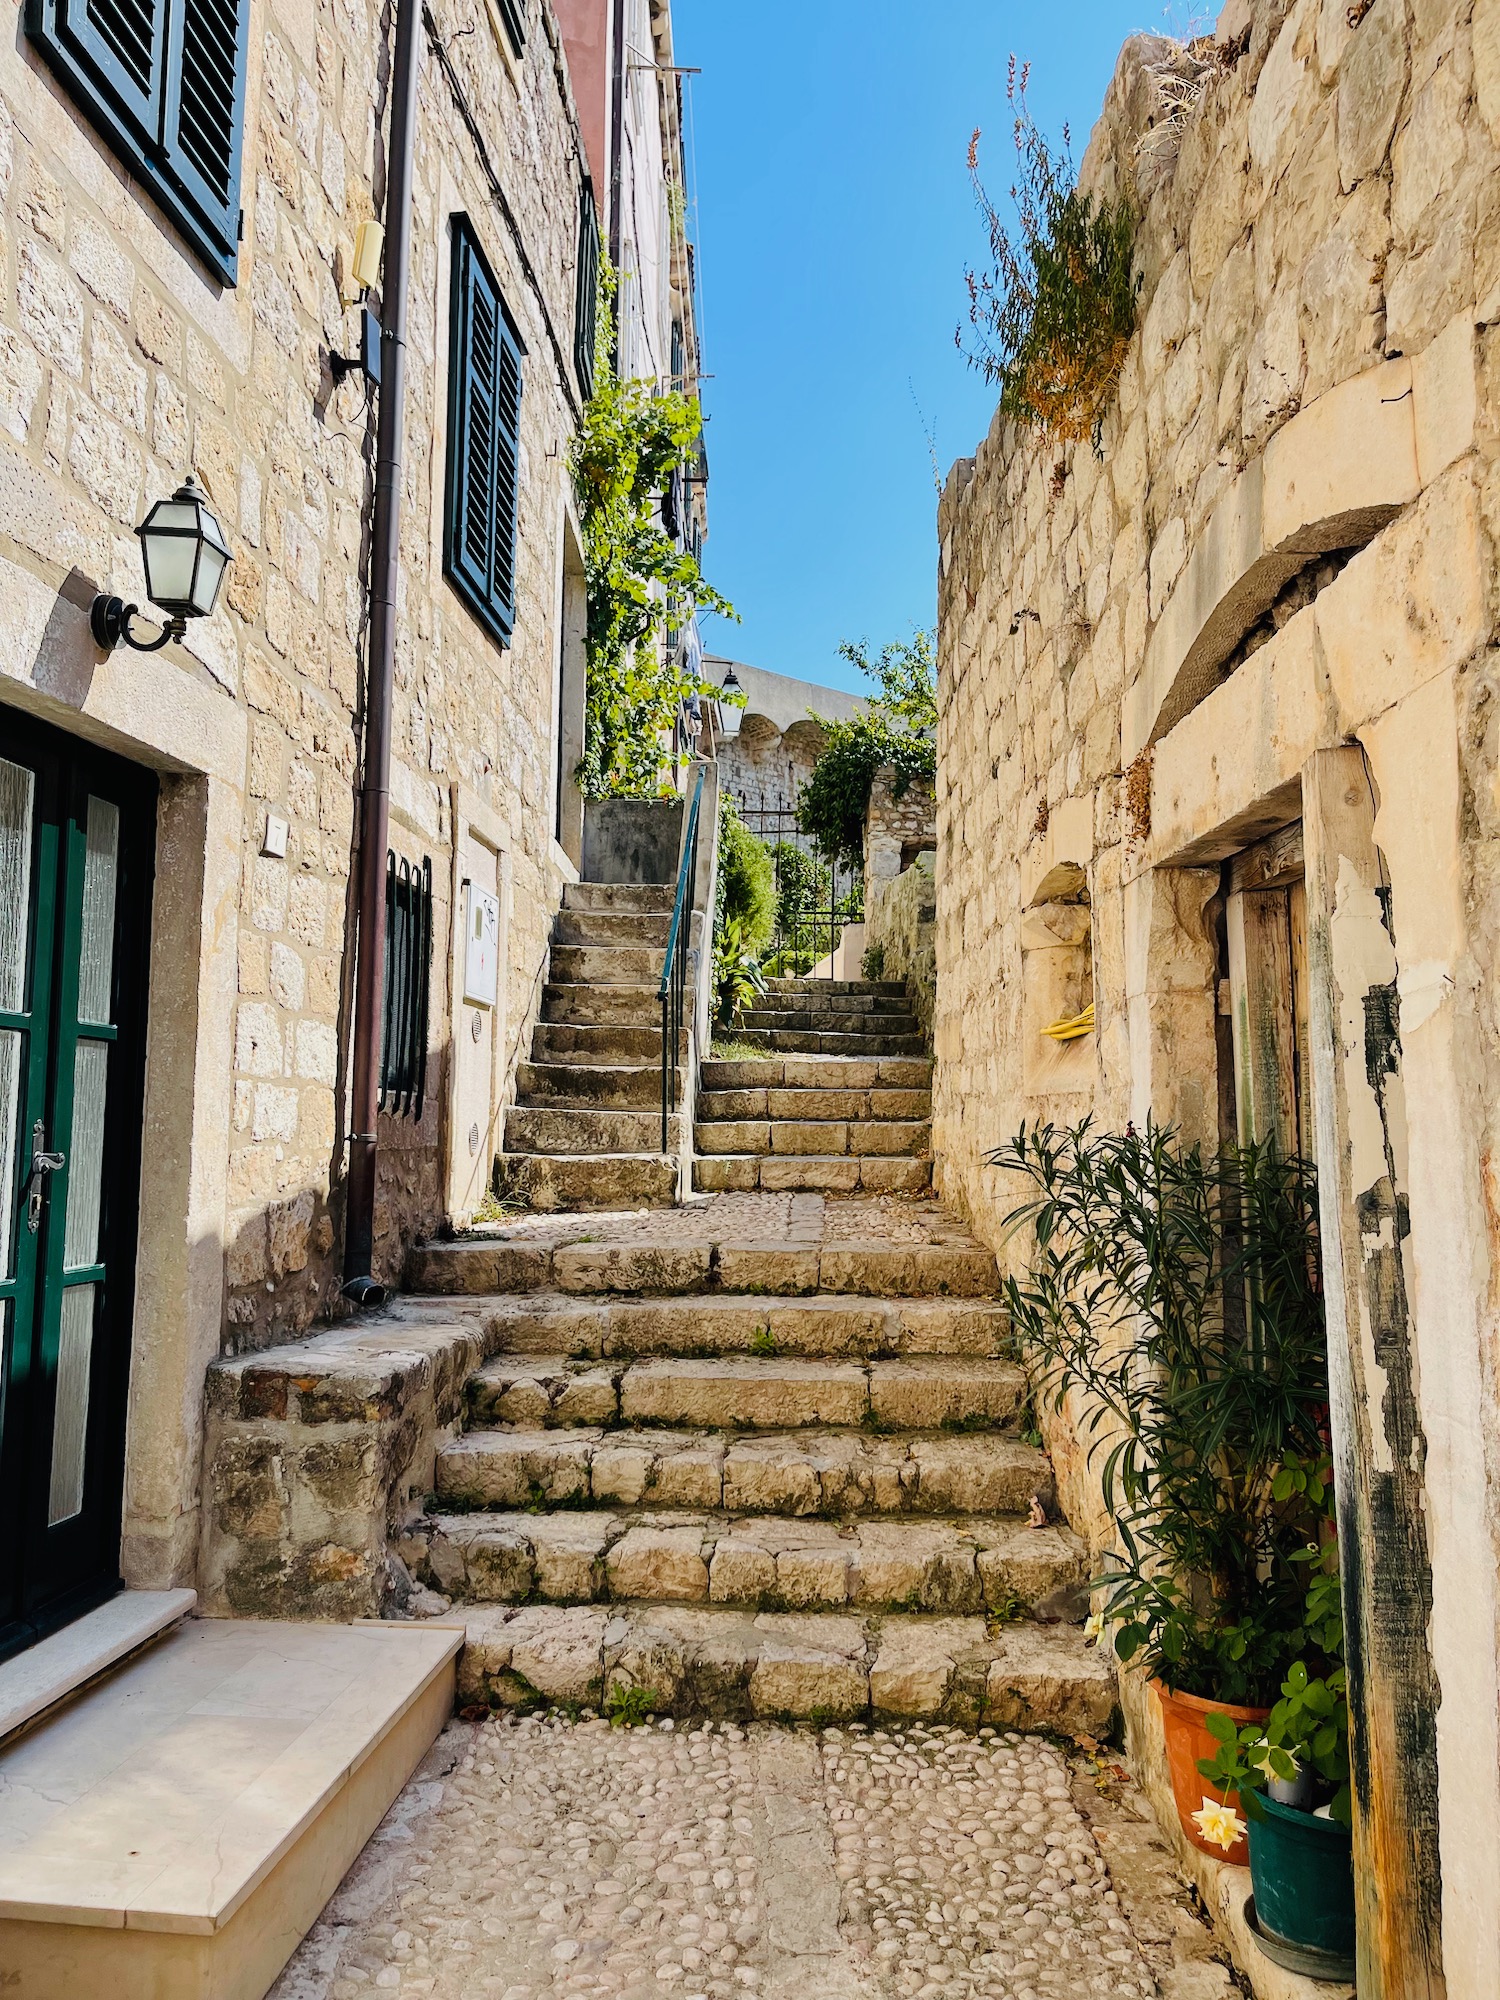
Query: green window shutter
(586, 305)
(163, 81)
(484, 441)
(513, 14)
(204, 110)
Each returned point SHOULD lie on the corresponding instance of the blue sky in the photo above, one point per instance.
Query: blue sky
(834, 221)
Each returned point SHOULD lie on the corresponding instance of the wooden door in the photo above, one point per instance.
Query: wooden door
(1266, 922)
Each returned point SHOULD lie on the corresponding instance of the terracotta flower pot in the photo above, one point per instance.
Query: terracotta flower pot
(1188, 1739)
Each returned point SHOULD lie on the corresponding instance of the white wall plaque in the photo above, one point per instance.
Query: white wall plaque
(482, 947)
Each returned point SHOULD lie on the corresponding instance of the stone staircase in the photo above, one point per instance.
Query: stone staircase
(585, 1130)
(759, 1457)
(841, 1101)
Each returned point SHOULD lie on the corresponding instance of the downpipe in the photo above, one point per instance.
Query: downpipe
(375, 788)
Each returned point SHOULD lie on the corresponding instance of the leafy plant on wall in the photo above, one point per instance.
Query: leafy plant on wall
(897, 731)
(639, 580)
(1054, 313)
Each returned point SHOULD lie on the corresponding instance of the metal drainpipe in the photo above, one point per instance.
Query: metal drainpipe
(617, 145)
(375, 788)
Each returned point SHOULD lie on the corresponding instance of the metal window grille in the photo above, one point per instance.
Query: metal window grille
(408, 977)
(513, 14)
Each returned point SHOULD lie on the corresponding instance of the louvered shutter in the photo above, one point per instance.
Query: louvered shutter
(586, 303)
(484, 441)
(204, 109)
(164, 82)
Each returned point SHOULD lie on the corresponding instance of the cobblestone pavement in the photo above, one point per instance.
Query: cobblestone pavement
(543, 1857)
(794, 1219)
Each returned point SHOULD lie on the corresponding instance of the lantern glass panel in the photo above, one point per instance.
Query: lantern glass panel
(210, 575)
(169, 551)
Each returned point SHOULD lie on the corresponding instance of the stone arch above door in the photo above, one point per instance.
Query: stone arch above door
(1328, 482)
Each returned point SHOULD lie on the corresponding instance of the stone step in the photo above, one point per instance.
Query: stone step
(949, 1566)
(584, 1006)
(561, 1181)
(781, 1173)
(793, 1473)
(804, 1042)
(538, 1128)
(611, 927)
(797, 1666)
(847, 1073)
(814, 1138)
(610, 1087)
(843, 988)
(571, 1042)
(640, 898)
(559, 1322)
(737, 1392)
(477, 1265)
(814, 1106)
(606, 965)
(819, 1001)
(818, 1021)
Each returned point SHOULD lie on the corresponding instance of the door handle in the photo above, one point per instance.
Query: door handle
(42, 1164)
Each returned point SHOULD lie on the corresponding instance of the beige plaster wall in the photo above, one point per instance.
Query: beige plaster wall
(1315, 371)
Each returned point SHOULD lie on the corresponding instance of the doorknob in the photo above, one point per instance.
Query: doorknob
(42, 1164)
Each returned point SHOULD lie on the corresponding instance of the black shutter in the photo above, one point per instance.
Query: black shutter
(586, 305)
(164, 82)
(484, 441)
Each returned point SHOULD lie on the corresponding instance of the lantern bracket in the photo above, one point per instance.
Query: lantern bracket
(109, 621)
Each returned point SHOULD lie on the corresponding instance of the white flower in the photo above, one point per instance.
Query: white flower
(1220, 1824)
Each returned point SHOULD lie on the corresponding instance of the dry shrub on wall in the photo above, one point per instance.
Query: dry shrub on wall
(1054, 314)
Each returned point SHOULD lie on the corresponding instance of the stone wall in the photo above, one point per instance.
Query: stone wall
(900, 908)
(122, 367)
(1282, 545)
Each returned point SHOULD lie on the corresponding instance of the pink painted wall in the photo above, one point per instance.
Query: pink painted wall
(585, 28)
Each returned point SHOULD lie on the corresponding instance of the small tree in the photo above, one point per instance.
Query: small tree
(747, 881)
(897, 731)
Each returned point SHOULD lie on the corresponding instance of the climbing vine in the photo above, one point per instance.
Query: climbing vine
(1055, 312)
(639, 581)
(897, 730)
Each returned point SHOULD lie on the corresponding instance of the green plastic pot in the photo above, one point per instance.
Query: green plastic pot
(1303, 1871)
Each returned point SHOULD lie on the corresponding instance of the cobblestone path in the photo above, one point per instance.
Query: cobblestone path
(542, 1857)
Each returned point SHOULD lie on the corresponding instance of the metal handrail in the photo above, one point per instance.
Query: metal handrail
(674, 968)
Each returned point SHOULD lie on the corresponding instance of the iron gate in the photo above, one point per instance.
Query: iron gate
(814, 901)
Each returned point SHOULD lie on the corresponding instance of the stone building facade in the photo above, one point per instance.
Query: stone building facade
(130, 356)
(1218, 753)
(900, 889)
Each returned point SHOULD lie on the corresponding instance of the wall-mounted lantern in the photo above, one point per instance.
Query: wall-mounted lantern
(731, 704)
(184, 555)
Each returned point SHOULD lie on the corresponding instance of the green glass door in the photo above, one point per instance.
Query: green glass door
(76, 843)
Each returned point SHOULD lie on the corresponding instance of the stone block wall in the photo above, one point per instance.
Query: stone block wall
(123, 365)
(899, 907)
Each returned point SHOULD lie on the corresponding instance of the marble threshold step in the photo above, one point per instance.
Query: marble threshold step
(932, 1392)
(827, 1324)
(179, 1827)
(55, 1668)
(797, 1474)
(797, 1666)
(823, 1173)
(476, 1264)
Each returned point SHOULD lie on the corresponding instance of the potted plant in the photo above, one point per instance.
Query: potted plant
(1176, 1295)
(1291, 1775)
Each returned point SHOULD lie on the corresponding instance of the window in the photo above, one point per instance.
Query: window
(586, 306)
(164, 81)
(408, 971)
(484, 441)
(513, 14)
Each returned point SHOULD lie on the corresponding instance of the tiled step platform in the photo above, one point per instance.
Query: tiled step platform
(177, 1828)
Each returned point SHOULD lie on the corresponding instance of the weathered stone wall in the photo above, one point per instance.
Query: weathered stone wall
(1284, 543)
(122, 366)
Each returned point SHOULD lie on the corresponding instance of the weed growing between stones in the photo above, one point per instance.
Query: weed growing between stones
(630, 1707)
